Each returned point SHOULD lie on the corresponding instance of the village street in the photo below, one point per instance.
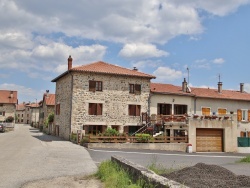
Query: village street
(27, 155)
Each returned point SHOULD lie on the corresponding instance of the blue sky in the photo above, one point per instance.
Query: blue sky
(158, 37)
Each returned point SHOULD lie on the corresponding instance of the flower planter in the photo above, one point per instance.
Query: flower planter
(226, 117)
(195, 116)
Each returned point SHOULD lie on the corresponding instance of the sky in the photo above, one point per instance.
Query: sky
(202, 41)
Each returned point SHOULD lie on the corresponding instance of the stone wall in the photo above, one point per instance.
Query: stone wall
(9, 109)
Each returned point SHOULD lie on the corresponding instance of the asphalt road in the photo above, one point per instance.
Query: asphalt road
(27, 155)
(174, 160)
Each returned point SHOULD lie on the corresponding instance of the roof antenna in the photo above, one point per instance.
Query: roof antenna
(219, 77)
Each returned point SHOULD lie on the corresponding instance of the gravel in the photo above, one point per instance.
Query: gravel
(205, 176)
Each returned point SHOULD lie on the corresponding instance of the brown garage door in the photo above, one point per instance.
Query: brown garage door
(209, 140)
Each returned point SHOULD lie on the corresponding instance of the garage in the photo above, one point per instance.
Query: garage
(209, 140)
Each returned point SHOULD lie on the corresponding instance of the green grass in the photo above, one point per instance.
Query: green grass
(245, 159)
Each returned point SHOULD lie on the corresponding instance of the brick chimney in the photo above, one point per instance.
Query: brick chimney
(219, 87)
(242, 87)
(184, 85)
(70, 62)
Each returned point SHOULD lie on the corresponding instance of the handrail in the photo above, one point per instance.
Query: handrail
(143, 127)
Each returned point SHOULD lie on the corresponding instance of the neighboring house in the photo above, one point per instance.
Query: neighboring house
(47, 107)
(32, 110)
(212, 118)
(95, 96)
(20, 113)
(8, 102)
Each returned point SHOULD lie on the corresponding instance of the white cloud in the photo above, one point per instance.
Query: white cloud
(147, 63)
(141, 51)
(167, 74)
(201, 64)
(218, 61)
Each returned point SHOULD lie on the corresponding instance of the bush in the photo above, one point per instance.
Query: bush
(111, 132)
(9, 119)
(245, 159)
(143, 137)
(73, 137)
(51, 117)
(84, 140)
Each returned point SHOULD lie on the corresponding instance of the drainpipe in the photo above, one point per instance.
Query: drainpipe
(71, 98)
(195, 105)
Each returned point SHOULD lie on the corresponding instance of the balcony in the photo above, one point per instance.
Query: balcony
(169, 119)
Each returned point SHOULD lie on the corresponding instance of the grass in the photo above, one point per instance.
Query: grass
(113, 176)
(245, 159)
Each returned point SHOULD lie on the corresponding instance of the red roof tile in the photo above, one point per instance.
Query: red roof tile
(20, 106)
(200, 92)
(106, 68)
(8, 97)
(49, 99)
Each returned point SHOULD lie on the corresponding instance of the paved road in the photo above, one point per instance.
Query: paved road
(174, 159)
(27, 155)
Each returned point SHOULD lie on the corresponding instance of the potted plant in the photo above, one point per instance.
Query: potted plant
(195, 116)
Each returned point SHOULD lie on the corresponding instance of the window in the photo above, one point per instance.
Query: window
(180, 109)
(18, 115)
(27, 115)
(57, 109)
(22, 115)
(243, 115)
(206, 111)
(95, 85)
(222, 111)
(95, 109)
(135, 88)
(134, 110)
(164, 109)
(2, 113)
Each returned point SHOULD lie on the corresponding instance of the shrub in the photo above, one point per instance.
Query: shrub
(143, 137)
(84, 140)
(245, 159)
(73, 137)
(111, 132)
(51, 117)
(9, 119)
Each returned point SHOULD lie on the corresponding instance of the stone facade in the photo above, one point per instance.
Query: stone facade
(6, 111)
(114, 97)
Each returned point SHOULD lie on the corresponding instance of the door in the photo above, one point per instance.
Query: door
(209, 140)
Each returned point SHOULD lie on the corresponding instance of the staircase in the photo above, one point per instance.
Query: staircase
(158, 134)
(142, 129)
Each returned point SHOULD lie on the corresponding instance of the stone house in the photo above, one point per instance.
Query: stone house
(47, 107)
(33, 111)
(8, 102)
(211, 118)
(20, 113)
(95, 96)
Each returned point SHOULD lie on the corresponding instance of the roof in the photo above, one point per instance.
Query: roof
(106, 68)
(8, 97)
(33, 105)
(20, 106)
(200, 92)
(49, 99)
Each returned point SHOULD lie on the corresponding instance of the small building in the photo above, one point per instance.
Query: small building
(211, 118)
(95, 96)
(8, 102)
(20, 113)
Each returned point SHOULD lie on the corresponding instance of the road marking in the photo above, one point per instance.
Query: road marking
(145, 153)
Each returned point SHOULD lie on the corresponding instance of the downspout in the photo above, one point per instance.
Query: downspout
(195, 98)
(71, 98)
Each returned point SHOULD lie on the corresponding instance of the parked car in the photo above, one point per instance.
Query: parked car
(2, 128)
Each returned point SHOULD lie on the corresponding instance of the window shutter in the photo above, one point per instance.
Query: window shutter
(3, 113)
(125, 129)
(59, 108)
(99, 109)
(248, 115)
(92, 85)
(131, 110)
(138, 110)
(242, 134)
(158, 108)
(137, 89)
(239, 115)
(91, 108)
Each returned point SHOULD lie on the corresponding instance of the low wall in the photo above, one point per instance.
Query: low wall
(151, 146)
(138, 172)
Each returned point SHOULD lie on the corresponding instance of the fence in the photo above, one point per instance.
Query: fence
(243, 141)
(136, 139)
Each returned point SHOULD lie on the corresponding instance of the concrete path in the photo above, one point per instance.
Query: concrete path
(27, 155)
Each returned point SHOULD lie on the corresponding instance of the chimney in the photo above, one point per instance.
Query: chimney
(184, 85)
(242, 87)
(135, 69)
(219, 87)
(47, 93)
(70, 62)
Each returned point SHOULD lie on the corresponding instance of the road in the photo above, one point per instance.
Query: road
(174, 160)
(27, 155)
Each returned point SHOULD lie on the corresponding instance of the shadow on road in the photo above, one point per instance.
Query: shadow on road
(48, 138)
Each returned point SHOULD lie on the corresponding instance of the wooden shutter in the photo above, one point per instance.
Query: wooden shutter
(3, 113)
(92, 85)
(248, 115)
(99, 109)
(222, 111)
(131, 88)
(205, 111)
(248, 134)
(239, 115)
(131, 110)
(138, 110)
(137, 89)
(125, 129)
(242, 134)
(91, 109)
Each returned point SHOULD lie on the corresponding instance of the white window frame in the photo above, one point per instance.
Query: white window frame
(244, 114)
